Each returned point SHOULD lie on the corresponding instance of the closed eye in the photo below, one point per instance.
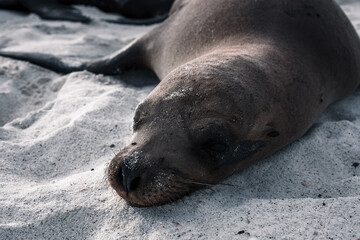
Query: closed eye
(215, 147)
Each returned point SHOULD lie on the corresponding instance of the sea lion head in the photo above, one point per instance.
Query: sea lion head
(201, 124)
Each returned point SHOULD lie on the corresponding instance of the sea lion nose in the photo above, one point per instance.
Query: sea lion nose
(128, 178)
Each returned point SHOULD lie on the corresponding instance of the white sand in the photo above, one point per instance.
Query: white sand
(55, 137)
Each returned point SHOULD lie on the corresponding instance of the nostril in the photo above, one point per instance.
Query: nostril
(128, 178)
(134, 184)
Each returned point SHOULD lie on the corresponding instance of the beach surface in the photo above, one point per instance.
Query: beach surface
(58, 133)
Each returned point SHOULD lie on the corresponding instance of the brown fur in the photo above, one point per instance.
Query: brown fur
(248, 76)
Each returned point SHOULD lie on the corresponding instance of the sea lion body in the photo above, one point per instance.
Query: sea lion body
(140, 12)
(140, 9)
(239, 81)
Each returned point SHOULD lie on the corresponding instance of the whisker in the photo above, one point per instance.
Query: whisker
(113, 152)
(230, 185)
(211, 184)
(198, 183)
(105, 179)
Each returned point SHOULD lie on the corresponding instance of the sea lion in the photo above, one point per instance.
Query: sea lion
(239, 81)
(138, 12)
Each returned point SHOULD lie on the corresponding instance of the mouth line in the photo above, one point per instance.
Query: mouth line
(169, 194)
(166, 186)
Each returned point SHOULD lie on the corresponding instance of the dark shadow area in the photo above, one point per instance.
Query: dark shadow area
(18, 12)
(57, 224)
(139, 78)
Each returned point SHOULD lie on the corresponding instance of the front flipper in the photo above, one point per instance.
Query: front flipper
(114, 64)
(133, 21)
(43, 60)
(52, 10)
